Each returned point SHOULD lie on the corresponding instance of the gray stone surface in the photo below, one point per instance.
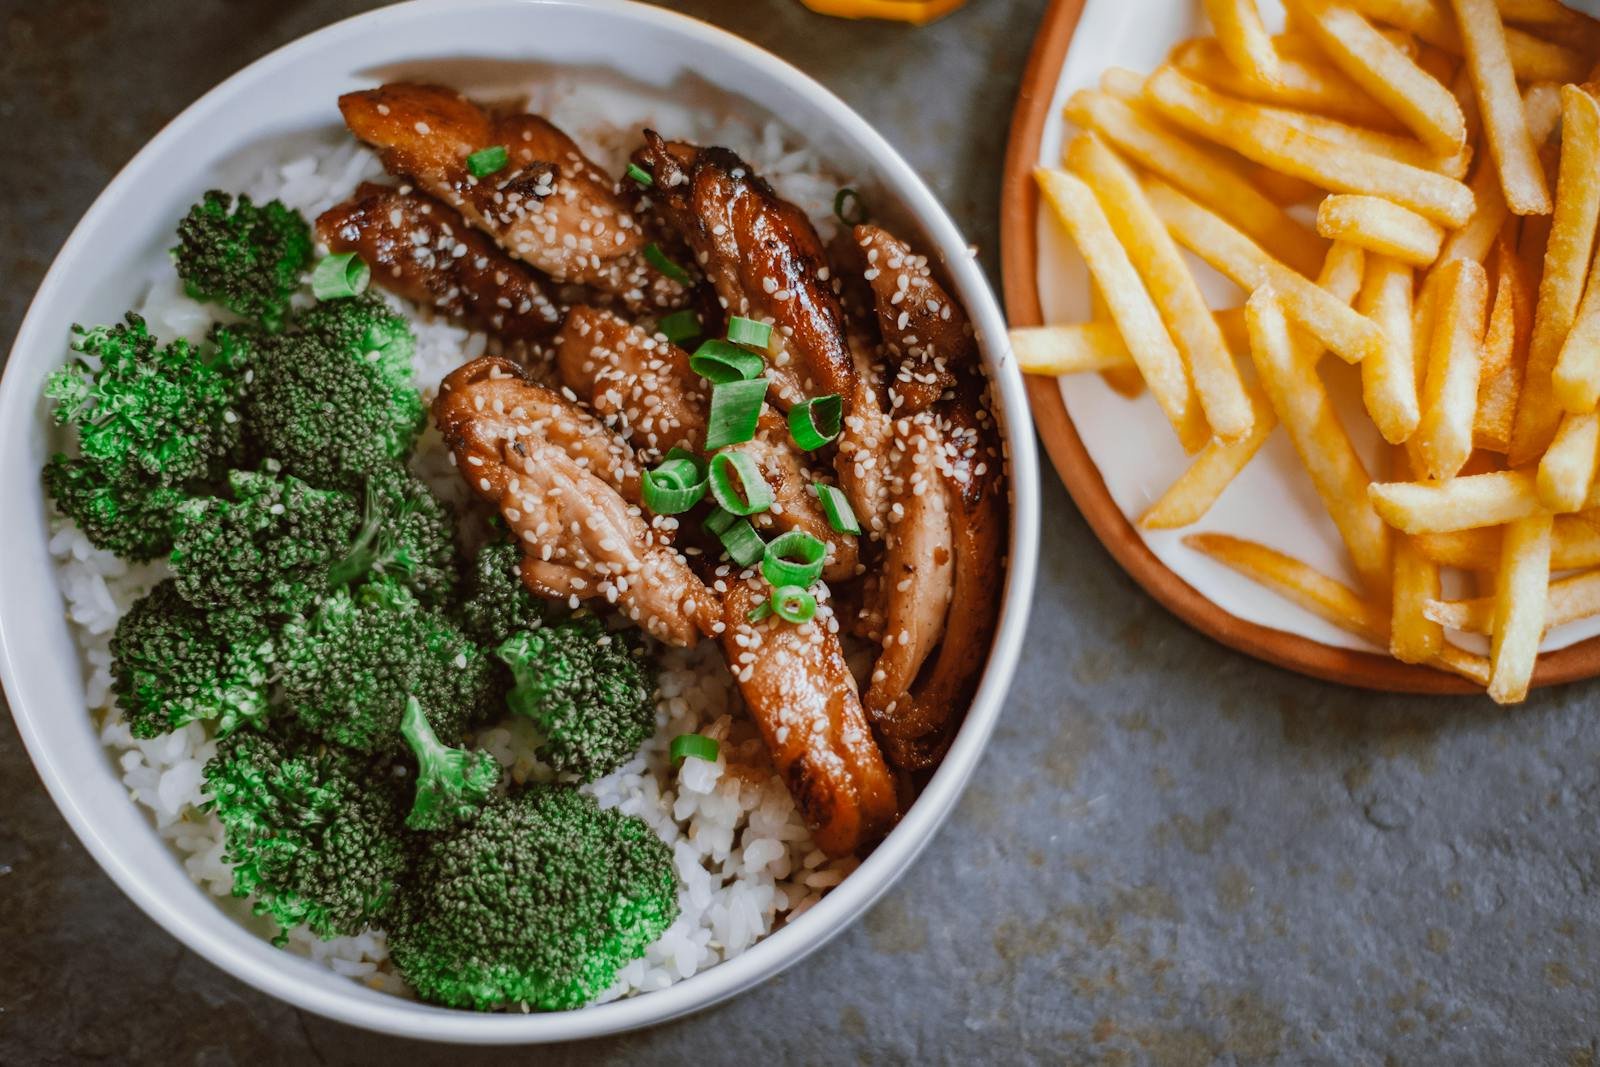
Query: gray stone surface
(1170, 855)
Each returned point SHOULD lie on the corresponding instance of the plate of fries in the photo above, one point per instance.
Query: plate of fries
(1309, 299)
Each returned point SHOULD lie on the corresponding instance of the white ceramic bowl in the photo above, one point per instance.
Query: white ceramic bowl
(294, 89)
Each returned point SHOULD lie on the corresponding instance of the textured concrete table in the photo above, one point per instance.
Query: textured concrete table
(1171, 854)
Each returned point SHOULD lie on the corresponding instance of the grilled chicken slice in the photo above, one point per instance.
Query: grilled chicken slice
(422, 249)
(762, 256)
(549, 206)
(638, 383)
(794, 503)
(800, 693)
(862, 462)
(924, 330)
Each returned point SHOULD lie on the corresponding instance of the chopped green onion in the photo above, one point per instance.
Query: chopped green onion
(759, 612)
(793, 604)
(793, 558)
(718, 522)
(743, 331)
(658, 259)
(735, 410)
(757, 494)
(841, 516)
(640, 175)
(675, 485)
(849, 207)
(339, 275)
(680, 326)
(739, 539)
(815, 422)
(698, 746)
(485, 161)
(720, 361)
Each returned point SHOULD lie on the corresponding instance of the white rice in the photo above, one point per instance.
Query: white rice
(744, 858)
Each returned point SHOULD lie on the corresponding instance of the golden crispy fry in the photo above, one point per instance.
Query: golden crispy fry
(1324, 597)
(1199, 170)
(1533, 58)
(1131, 308)
(1380, 226)
(1171, 285)
(1244, 38)
(1504, 122)
(1519, 608)
(1401, 148)
(1303, 83)
(1474, 240)
(1125, 381)
(1450, 389)
(1387, 74)
(1575, 544)
(1301, 401)
(1554, 18)
(1576, 378)
(1566, 472)
(1569, 599)
(1413, 637)
(1188, 499)
(1070, 348)
(1505, 350)
(1347, 334)
(1459, 504)
(1566, 259)
(1256, 134)
(1389, 378)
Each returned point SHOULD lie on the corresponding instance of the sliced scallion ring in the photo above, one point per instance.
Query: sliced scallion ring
(340, 275)
(735, 411)
(658, 259)
(743, 331)
(752, 495)
(680, 326)
(675, 485)
(739, 539)
(849, 207)
(835, 505)
(720, 361)
(793, 604)
(640, 175)
(698, 746)
(485, 161)
(815, 422)
(793, 558)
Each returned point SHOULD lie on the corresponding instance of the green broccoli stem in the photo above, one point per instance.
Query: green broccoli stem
(375, 549)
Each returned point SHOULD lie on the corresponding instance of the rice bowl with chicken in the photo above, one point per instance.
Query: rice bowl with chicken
(559, 399)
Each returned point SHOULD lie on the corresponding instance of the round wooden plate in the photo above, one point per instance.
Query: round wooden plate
(1019, 207)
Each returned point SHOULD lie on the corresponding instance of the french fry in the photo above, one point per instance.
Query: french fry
(1532, 58)
(1301, 401)
(1388, 75)
(1575, 544)
(1070, 348)
(1542, 103)
(1576, 377)
(1450, 389)
(1505, 124)
(1459, 504)
(1303, 83)
(1389, 378)
(1398, 147)
(1554, 17)
(1172, 287)
(1566, 472)
(1379, 226)
(1323, 596)
(1188, 498)
(1519, 608)
(1413, 636)
(1346, 333)
(1201, 171)
(1568, 600)
(1566, 259)
(1130, 305)
(1505, 350)
(1125, 381)
(1256, 134)
(1244, 38)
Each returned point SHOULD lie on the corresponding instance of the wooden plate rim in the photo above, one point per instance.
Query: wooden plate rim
(1019, 261)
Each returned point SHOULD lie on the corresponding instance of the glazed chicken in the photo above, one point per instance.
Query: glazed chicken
(794, 505)
(423, 250)
(762, 256)
(799, 690)
(535, 460)
(549, 206)
(924, 331)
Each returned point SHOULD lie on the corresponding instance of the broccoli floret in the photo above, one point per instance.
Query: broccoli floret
(249, 260)
(151, 422)
(270, 549)
(172, 664)
(332, 399)
(497, 603)
(315, 832)
(407, 532)
(452, 783)
(349, 669)
(588, 691)
(540, 902)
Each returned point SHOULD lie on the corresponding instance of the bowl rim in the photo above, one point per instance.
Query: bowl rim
(842, 905)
